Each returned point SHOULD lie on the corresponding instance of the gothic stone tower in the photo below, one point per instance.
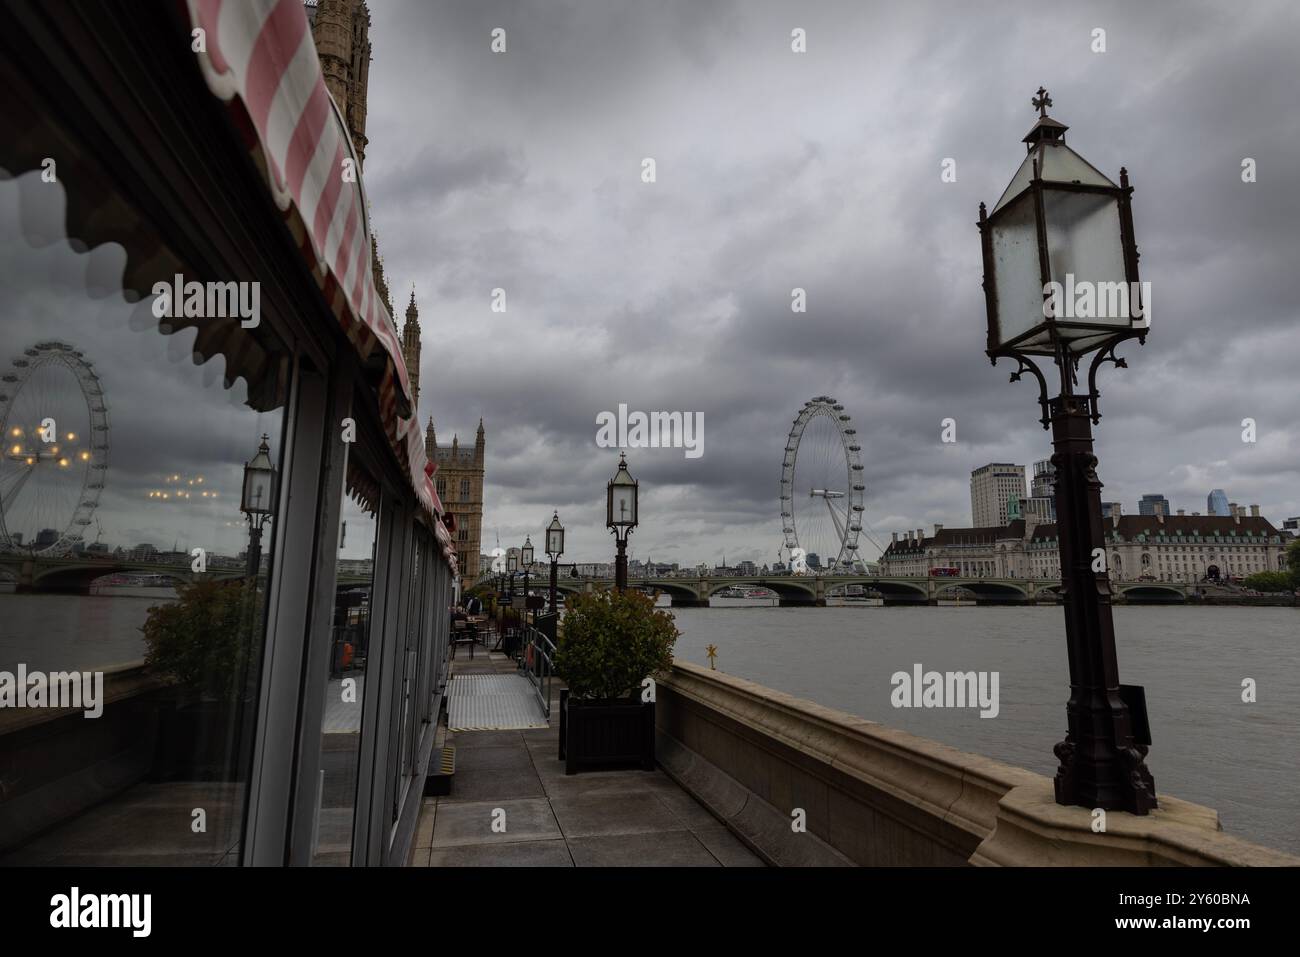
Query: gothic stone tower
(411, 352)
(341, 29)
(459, 481)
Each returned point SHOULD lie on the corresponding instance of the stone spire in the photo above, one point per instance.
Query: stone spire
(430, 442)
(480, 444)
(377, 268)
(411, 349)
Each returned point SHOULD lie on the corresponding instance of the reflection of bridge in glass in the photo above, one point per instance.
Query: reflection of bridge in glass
(74, 575)
(813, 590)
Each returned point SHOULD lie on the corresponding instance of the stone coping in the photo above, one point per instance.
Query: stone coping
(120, 681)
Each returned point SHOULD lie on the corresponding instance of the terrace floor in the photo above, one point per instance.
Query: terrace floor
(546, 818)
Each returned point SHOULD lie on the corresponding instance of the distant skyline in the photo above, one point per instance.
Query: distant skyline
(522, 171)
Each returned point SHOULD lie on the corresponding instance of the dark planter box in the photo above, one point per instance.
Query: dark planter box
(606, 734)
(198, 741)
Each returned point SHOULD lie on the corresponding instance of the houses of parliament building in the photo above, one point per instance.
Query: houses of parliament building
(341, 31)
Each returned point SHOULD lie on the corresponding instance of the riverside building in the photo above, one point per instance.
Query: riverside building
(1178, 548)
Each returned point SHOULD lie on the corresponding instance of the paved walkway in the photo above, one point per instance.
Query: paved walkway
(546, 818)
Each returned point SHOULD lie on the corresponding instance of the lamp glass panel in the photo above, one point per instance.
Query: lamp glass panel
(1083, 242)
(1016, 276)
(555, 542)
(257, 490)
(622, 505)
(1060, 164)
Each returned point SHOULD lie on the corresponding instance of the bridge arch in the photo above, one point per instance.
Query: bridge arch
(791, 588)
(900, 591)
(1153, 593)
(994, 592)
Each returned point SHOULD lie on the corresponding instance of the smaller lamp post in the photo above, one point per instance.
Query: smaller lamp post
(621, 515)
(526, 559)
(512, 568)
(554, 548)
(257, 500)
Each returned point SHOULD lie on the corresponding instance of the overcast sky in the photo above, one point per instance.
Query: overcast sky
(822, 170)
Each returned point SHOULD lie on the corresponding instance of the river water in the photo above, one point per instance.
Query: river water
(1209, 747)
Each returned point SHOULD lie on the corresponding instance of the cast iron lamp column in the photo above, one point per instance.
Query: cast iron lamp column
(554, 548)
(256, 501)
(620, 515)
(1059, 223)
(526, 559)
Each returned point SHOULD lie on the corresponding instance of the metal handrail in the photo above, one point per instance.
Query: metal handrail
(538, 664)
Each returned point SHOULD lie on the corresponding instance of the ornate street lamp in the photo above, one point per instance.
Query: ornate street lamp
(512, 567)
(526, 559)
(554, 548)
(1061, 280)
(620, 515)
(257, 501)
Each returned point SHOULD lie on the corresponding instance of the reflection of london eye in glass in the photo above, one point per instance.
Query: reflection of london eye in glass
(55, 454)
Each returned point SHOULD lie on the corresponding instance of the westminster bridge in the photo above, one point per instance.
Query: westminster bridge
(814, 590)
(75, 574)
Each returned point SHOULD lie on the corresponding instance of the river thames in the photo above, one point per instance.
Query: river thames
(1209, 747)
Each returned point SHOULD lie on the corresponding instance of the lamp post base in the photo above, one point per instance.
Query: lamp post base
(1115, 780)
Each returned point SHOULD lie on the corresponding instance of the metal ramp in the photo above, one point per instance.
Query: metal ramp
(493, 703)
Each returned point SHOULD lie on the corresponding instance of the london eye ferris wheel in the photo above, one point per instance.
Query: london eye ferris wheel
(822, 488)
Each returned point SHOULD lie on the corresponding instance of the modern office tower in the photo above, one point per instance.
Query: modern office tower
(991, 488)
(1216, 503)
(1154, 504)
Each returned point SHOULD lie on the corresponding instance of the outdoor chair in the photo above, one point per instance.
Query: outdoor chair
(462, 634)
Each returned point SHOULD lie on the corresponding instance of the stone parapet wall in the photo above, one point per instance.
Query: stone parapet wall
(876, 796)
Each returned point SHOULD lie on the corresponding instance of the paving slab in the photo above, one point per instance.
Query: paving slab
(471, 823)
(616, 813)
(522, 854)
(493, 785)
(494, 758)
(661, 849)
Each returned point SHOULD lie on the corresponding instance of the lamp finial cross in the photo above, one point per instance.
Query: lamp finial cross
(1041, 102)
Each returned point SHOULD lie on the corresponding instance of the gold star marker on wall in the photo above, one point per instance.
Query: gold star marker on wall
(712, 652)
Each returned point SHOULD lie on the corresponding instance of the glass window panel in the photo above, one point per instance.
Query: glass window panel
(128, 561)
(346, 687)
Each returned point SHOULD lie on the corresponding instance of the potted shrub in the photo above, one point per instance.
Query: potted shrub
(203, 643)
(610, 643)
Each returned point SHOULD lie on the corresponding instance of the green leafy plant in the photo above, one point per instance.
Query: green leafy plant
(611, 641)
(1270, 581)
(1293, 562)
(203, 639)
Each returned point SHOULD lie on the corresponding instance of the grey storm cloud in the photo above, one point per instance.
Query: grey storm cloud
(821, 170)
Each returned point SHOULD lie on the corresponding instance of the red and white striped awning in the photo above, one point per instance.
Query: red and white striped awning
(260, 60)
